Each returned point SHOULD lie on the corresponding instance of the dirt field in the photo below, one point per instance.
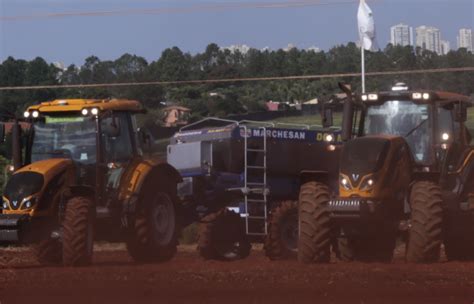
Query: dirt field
(187, 279)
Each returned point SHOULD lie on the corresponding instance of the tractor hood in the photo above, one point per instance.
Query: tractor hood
(363, 156)
(32, 179)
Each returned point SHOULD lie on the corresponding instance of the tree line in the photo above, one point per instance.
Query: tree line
(217, 63)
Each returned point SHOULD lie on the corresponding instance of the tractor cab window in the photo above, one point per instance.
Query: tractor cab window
(406, 119)
(117, 138)
(64, 137)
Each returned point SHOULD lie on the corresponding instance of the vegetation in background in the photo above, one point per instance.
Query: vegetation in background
(215, 63)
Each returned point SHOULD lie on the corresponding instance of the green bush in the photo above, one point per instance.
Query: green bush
(189, 234)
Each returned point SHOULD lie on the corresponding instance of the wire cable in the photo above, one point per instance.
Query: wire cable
(233, 80)
(174, 10)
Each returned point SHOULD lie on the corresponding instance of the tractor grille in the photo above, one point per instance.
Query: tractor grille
(344, 205)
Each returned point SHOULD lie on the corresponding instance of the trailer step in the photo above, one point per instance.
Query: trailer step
(256, 201)
(257, 167)
(256, 150)
(254, 217)
(256, 184)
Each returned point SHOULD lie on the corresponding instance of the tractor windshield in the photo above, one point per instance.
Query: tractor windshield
(65, 137)
(403, 118)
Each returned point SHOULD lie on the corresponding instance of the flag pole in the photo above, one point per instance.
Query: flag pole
(362, 59)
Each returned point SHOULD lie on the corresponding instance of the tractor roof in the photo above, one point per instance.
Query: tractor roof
(439, 96)
(70, 105)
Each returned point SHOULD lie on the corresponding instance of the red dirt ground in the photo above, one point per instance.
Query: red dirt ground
(114, 278)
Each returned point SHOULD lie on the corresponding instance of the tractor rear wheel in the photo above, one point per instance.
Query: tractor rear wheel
(314, 242)
(425, 234)
(48, 252)
(153, 236)
(78, 236)
(281, 241)
(222, 237)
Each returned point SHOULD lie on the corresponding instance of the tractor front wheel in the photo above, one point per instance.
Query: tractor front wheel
(425, 234)
(314, 242)
(77, 228)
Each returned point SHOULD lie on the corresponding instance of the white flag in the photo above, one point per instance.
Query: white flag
(366, 23)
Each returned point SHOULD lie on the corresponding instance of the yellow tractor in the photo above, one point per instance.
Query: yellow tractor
(406, 169)
(81, 175)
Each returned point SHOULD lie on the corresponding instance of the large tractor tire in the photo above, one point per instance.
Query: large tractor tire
(153, 236)
(78, 232)
(281, 241)
(222, 237)
(48, 252)
(425, 234)
(314, 224)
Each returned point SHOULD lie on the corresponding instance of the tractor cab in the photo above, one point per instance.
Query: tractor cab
(91, 140)
(81, 175)
(431, 123)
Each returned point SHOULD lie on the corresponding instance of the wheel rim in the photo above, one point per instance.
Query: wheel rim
(289, 232)
(163, 219)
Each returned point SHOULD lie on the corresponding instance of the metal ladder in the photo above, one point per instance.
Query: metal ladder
(255, 191)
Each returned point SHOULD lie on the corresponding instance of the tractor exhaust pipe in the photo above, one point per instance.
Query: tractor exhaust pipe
(347, 113)
(16, 146)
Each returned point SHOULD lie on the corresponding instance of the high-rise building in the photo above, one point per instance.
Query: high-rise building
(445, 47)
(428, 38)
(465, 39)
(401, 34)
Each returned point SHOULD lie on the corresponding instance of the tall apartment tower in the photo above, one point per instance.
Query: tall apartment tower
(429, 38)
(445, 47)
(401, 34)
(465, 39)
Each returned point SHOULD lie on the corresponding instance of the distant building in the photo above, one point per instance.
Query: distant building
(289, 47)
(242, 48)
(465, 39)
(175, 116)
(401, 34)
(445, 47)
(429, 38)
(314, 49)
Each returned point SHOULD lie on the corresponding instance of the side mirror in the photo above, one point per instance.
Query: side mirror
(2, 133)
(460, 112)
(327, 116)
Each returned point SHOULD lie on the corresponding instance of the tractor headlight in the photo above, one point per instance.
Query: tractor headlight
(28, 203)
(445, 136)
(26, 114)
(367, 184)
(345, 183)
(5, 205)
(95, 111)
(35, 114)
(84, 112)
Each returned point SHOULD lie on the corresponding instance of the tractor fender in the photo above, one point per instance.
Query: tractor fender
(144, 177)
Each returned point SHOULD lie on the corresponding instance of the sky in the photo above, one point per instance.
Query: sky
(71, 38)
